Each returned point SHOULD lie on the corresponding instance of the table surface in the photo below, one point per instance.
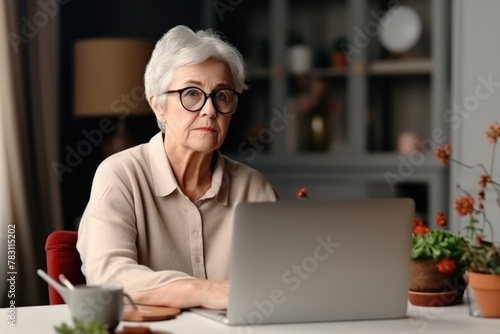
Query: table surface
(450, 319)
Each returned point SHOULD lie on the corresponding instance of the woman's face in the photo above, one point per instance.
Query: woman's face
(204, 130)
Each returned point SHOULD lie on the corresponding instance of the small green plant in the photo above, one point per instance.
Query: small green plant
(295, 38)
(79, 327)
(483, 257)
(340, 44)
(436, 245)
(443, 246)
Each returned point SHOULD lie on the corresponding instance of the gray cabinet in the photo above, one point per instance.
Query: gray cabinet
(335, 129)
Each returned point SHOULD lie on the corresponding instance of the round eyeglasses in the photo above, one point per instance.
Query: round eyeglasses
(193, 99)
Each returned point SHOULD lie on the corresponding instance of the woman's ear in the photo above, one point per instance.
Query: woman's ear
(160, 114)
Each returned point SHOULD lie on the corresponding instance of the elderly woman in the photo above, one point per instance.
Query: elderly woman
(159, 218)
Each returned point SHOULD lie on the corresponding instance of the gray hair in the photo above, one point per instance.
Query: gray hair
(181, 46)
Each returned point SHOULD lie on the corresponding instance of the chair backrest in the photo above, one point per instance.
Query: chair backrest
(63, 258)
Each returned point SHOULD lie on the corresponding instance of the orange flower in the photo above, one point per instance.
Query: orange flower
(464, 205)
(441, 219)
(446, 265)
(493, 132)
(302, 193)
(420, 229)
(418, 222)
(484, 180)
(443, 154)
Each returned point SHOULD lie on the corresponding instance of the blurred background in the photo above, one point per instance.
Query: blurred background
(333, 126)
(348, 98)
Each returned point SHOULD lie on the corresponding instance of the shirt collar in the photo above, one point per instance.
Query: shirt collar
(220, 181)
(164, 179)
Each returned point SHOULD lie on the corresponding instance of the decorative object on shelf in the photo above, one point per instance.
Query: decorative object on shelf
(313, 114)
(436, 272)
(108, 82)
(482, 251)
(299, 54)
(400, 29)
(340, 49)
(408, 142)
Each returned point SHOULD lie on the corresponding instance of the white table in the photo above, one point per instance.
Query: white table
(451, 319)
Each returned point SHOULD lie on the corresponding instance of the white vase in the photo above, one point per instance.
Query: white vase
(299, 57)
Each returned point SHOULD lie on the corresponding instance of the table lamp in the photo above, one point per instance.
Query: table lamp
(108, 82)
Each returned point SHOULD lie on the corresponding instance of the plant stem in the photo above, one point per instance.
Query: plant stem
(470, 166)
(493, 159)
(493, 183)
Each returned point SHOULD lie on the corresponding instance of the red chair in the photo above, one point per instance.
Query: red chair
(63, 258)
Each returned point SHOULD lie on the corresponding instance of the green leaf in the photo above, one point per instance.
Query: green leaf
(436, 253)
(92, 327)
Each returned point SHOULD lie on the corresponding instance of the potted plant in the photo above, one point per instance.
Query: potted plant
(339, 48)
(481, 256)
(436, 271)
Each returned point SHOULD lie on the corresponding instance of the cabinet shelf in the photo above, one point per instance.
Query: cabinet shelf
(258, 73)
(264, 73)
(328, 72)
(401, 67)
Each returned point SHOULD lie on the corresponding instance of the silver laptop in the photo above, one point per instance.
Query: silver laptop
(312, 260)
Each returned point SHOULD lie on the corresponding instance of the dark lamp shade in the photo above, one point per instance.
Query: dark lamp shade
(108, 77)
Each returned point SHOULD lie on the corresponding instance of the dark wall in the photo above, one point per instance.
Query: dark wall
(110, 18)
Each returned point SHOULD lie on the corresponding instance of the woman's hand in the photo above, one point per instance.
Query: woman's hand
(187, 293)
(214, 294)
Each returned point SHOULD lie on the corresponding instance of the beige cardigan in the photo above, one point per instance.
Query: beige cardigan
(140, 231)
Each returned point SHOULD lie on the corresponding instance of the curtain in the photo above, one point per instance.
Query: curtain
(30, 201)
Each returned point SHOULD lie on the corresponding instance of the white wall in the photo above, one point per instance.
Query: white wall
(475, 60)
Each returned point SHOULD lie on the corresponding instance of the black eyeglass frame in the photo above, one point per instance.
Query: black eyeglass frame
(182, 90)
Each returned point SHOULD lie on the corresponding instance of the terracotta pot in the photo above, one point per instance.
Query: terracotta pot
(432, 299)
(430, 287)
(487, 291)
(425, 277)
(339, 59)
